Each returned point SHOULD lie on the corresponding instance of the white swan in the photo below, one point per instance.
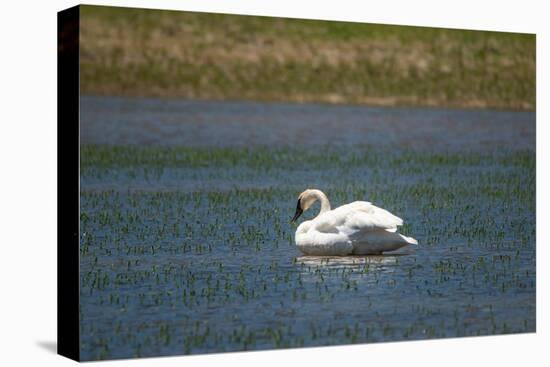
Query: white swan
(358, 228)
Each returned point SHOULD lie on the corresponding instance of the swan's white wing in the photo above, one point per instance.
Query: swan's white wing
(367, 217)
(359, 216)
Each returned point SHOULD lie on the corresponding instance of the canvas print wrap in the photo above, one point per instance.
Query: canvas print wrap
(404, 156)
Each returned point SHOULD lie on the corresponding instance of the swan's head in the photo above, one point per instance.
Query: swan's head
(305, 200)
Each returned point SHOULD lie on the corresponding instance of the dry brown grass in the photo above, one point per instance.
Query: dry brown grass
(192, 55)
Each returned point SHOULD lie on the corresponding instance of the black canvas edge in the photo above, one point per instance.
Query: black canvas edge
(68, 181)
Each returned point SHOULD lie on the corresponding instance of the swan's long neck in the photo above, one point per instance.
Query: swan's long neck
(325, 204)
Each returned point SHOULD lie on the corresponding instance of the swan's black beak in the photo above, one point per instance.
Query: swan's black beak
(299, 212)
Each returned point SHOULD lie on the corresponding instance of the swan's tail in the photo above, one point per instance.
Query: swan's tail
(410, 240)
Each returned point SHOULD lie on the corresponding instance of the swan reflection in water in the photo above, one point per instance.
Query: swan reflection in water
(363, 269)
(349, 260)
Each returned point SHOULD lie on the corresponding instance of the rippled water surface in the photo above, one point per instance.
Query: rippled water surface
(186, 245)
(229, 124)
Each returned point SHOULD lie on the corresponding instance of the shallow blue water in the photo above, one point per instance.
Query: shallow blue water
(182, 259)
(120, 121)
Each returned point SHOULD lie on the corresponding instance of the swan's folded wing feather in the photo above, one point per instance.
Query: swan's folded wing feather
(359, 216)
(387, 218)
(366, 218)
(332, 220)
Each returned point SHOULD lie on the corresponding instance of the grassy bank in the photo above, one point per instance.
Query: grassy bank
(191, 55)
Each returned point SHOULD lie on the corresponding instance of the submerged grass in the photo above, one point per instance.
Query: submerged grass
(189, 250)
(141, 52)
(120, 156)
